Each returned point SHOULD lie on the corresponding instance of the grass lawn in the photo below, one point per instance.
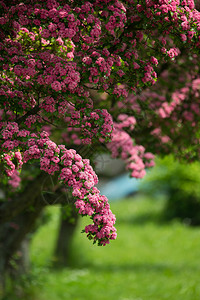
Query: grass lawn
(148, 261)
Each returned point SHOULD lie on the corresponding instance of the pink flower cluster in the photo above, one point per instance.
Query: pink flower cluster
(99, 35)
(78, 174)
(95, 123)
(74, 172)
(172, 111)
(11, 161)
(122, 146)
(14, 180)
(125, 122)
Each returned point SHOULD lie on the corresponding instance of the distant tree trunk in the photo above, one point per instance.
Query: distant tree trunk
(68, 223)
(23, 259)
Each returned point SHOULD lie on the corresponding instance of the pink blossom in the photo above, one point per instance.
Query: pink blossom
(56, 86)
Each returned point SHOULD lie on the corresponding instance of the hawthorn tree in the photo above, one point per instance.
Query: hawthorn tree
(78, 76)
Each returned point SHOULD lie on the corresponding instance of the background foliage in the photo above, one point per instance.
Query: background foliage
(179, 183)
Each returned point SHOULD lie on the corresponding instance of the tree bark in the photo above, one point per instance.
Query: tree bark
(12, 235)
(18, 217)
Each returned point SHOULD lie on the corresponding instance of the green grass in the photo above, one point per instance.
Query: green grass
(149, 260)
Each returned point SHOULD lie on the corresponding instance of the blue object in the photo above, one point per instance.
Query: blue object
(120, 187)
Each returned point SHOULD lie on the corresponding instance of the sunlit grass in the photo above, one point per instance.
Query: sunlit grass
(149, 260)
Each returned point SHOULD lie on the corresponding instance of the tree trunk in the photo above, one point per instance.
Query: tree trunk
(68, 223)
(2, 276)
(13, 246)
(20, 262)
(17, 218)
